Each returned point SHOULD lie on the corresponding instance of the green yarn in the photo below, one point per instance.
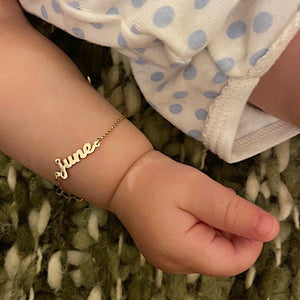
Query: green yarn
(25, 241)
(82, 240)
(215, 288)
(273, 176)
(81, 218)
(90, 273)
(3, 276)
(129, 254)
(157, 131)
(6, 195)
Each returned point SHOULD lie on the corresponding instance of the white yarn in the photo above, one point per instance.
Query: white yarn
(12, 178)
(283, 154)
(142, 259)
(158, 277)
(116, 56)
(12, 262)
(250, 277)
(39, 260)
(265, 190)
(204, 154)
(263, 169)
(191, 278)
(95, 294)
(296, 217)
(101, 90)
(266, 155)
(31, 294)
(285, 201)
(55, 271)
(116, 97)
(43, 217)
(285, 231)
(277, 242)
(76, 276)
(93, 226)
(26, 262)
(119, 289)
(113, 76)
(252, 187)
(75, 257)
(132, 99)
(33, 221)
(120, 244)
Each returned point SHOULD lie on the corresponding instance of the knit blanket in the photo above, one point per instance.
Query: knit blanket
(53, 248)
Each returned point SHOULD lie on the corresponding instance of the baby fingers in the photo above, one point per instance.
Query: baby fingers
(208, 251)
(221, 208)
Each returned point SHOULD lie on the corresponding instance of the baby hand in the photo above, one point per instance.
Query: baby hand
(184, 222)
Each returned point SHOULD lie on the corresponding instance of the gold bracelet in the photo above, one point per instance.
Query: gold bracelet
(75, 158)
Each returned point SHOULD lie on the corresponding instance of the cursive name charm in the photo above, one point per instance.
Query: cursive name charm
(73, 159)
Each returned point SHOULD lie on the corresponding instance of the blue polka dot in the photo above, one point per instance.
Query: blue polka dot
(177, 66)
(112, 11)
(97, 25)
(220, 77)
(189, 72)
(134, 30)
(255, 57)
(197, 40)
(157, 76)
(236, 30)
(141, 61)
(44, 12)
(196, 134)
(199, 4)
(140, 50)
(225, 64)
(201, 114)
(56, 7)
(211, 94)
(74, 4)
(175, 109)
(262, 22)
(78, 32)
(163, 16)
(138, 3)
(180, 95)
(162, 86)
(121, 41)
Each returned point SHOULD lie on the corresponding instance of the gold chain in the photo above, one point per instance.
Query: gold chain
(81, 153)
(111, 129)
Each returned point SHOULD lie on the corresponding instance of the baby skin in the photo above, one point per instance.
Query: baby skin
(181, 220)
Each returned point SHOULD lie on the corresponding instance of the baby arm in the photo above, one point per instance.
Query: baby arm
(49, 110)
(278, 91)
(181, 220)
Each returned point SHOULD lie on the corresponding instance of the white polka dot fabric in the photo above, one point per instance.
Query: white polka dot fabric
(195, 61)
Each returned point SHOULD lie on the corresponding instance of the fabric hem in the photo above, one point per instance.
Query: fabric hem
(224, 115)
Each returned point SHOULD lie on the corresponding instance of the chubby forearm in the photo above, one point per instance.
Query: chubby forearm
(278, 91)
(49, 110)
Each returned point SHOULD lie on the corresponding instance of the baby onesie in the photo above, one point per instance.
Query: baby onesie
(195, 61)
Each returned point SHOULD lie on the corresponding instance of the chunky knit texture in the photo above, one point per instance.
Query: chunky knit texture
(51, 248)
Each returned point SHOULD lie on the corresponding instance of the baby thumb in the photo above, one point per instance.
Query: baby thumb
(223, 209)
